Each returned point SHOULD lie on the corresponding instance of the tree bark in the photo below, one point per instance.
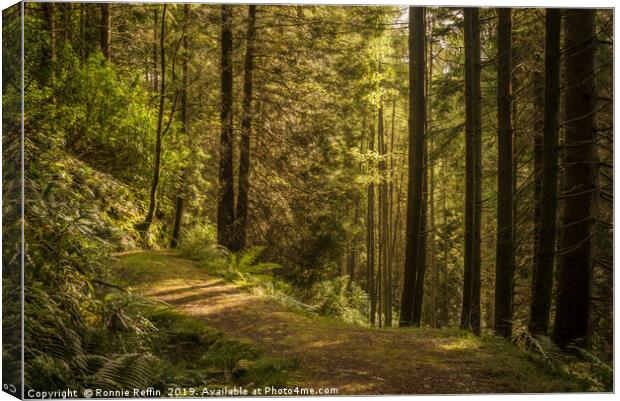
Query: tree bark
(504, 255)
(180, 201)
(580, 187)
(477, 121)
(178, 218)
(418, 297)
(226, 196)
(370, 230)
(542, 279)
(390, 223)
(155, 51)
(430, 170)
(144, 227)
(469, 172)
(384, 226)
(241, 214)
(416, 162)
(445, 314)
(105, 29)
(67, 11)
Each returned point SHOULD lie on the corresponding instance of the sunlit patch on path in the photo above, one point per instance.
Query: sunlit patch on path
(356, 360)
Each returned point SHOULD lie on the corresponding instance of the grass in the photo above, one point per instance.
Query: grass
(290, 345)
(194, 355)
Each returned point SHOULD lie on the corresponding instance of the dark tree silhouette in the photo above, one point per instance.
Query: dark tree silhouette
(417, 67)
(580, 187)
(241, 213)
(542, 279)
(504, 261)
(226, 196)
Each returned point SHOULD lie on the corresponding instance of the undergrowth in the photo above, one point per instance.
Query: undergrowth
(574, 362)
(337, 297)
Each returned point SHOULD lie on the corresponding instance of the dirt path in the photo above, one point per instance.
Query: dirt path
(356, 360)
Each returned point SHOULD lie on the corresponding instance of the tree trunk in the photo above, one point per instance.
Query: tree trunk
(241, 214)
(105, 29)
(469, 172)
(580, 187)
(432, 247)
(416, 161)
(352, 262)
(418, 297)
(155, 51)
(538, 83)
(542, 279)
(226, 196)
(396, 227)
(68, 22)
(430, 170)
(178, 218)
(445, 317)
(390, 224)
(180, 201)
(384, 219)
(504, 256)
(144, 227)
(370, 229)
(477, 121)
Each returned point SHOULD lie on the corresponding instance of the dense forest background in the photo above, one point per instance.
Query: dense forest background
(437, 167)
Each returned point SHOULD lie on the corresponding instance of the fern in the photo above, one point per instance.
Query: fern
(243, 267)
(574, 362)
(125, 371)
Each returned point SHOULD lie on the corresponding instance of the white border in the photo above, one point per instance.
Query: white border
(449, 3)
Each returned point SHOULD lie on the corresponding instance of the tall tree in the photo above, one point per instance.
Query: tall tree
(477, 131)
(370, 232)
(417, 117)
(226, 196)
(383, 218)
(418, 293)
(105, 29)
(470, 313)
(160, 119)
(542, 279)
(580, 189)
(504, 256)
(241, 213)
(180, 200)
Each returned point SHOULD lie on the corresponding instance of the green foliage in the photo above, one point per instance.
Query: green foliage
(574, 362)
(127, 371)
(335, 297)
(226, 354)
(245, 268)
(339, 298)
(107, 119)
(199, 243)
(266, 370)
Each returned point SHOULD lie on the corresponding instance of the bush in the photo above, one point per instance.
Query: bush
(574, 362)
(199, 243)
(340, 299)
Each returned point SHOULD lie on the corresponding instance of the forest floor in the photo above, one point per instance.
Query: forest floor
(333, 354)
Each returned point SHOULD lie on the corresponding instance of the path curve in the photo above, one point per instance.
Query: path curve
(356, 360)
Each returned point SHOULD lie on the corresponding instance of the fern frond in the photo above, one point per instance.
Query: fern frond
(125, 371)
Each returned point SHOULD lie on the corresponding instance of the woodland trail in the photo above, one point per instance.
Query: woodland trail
(353, 359)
